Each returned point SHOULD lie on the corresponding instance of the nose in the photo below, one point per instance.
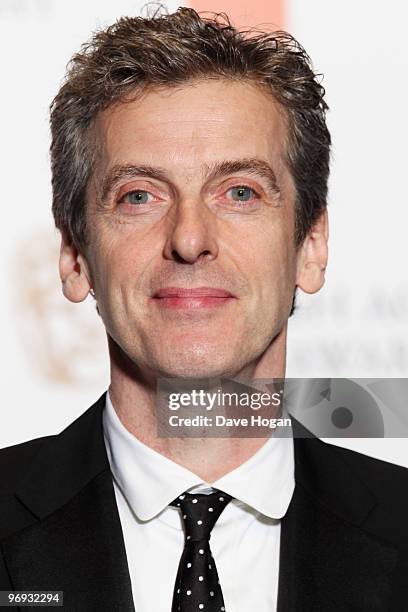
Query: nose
(191, 236)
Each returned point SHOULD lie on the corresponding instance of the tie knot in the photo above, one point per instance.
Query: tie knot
(200, 512)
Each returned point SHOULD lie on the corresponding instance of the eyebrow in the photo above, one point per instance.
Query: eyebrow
(250, 165)
(120, 172)
(212, 172)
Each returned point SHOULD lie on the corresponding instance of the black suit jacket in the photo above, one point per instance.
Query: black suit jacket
(344, 542)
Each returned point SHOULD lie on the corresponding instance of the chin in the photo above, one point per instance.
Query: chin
(195, 366)
(191, 372)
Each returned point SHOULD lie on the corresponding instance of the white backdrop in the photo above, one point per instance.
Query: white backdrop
(54, 354)
(357, 326)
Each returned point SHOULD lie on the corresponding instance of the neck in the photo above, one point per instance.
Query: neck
(133, 395)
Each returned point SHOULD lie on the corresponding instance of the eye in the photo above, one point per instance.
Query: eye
(136, 197)
(242, 193)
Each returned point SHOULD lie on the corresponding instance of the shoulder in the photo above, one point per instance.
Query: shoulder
(324, 456)
(15, 462)
(389, 484)
(16, 459)
(376, 473)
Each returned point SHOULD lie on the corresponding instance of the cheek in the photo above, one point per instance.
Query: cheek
(121, 260)
(270, 253)
(278, 277)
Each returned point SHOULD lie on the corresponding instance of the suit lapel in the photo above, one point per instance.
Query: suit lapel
(327, 560)
(75, 542)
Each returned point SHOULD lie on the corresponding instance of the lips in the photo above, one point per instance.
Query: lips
(174, 292)
(192, 298)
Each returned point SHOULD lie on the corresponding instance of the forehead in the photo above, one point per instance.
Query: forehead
(193, 124)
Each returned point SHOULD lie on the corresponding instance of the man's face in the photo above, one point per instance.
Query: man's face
(191, 191)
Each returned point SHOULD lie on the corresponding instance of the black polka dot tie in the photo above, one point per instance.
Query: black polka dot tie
(197, 586)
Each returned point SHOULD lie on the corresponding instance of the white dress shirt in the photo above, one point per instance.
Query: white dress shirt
(245, 540)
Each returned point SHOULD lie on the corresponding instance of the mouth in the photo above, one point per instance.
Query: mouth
(198, 297)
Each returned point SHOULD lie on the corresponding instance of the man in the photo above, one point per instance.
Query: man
(190, 166)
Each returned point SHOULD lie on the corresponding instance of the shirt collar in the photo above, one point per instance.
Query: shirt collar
(150, 481)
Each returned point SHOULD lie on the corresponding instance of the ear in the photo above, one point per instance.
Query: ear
(312, 256)
(74, 272)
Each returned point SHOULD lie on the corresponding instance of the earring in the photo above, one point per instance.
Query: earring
(92, 292)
